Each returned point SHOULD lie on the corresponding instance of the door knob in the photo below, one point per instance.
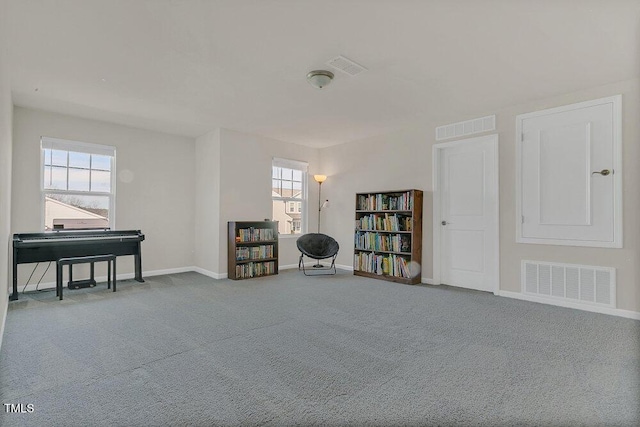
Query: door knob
(603, 172)
(444, 222)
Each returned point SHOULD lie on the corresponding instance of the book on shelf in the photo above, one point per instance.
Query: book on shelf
(252, 234)
(385, 201)
(254, 252)
(252, 249)
(388, 235)
(382, 242)
(385, 222)
(382, 264)
(255, 269)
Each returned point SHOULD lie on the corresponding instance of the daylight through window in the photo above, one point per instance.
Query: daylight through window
(77, 185)
(289, 195)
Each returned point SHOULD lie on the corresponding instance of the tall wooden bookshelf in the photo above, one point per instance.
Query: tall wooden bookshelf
(388, 236)
(252, 249)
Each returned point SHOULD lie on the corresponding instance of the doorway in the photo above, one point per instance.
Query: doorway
(466, 213)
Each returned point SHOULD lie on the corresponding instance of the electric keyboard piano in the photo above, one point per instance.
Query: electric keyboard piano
(53, 245)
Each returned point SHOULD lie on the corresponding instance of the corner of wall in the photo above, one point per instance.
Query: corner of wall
(6, 141)
(207, 201)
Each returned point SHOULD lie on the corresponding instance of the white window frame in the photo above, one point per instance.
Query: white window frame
(79, 147)
(304, 168)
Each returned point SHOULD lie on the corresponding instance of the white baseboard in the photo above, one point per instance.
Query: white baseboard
(123, 276)
(568, 304)
(291, 266)
(4, 322)
(208, 273)
(311, 264)
(426, 280)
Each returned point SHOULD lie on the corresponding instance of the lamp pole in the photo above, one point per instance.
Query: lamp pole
(319, 203)
(319, 179)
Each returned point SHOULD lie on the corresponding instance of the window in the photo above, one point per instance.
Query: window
(77, 184)
(289, 195)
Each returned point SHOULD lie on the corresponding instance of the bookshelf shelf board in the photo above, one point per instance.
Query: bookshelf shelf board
(405, 280)
(385, 211)
(368, 230)
(255, 242)
(383, 252)
(244, 261)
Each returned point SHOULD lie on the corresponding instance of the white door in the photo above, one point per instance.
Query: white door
(570, 175)
(466, 196)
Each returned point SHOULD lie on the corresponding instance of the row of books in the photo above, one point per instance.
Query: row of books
(384, 222)
(254, 252)
(388, 265)
(383, 242)
(255, 234)
(254, 269)
(384, 202)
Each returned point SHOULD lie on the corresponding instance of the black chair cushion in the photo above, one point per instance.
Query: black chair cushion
(317, 245)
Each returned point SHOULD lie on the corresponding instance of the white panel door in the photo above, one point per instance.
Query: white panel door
(568, 165)
(468, 200)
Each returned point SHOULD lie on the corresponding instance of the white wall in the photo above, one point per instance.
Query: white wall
(6, 111)
(245, 195)
(207, 203)
(154, 189)
(402, 160)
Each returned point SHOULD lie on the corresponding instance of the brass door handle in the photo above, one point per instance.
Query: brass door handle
(603, 172)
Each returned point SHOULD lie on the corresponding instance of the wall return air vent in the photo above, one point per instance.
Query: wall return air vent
(581, 284)
(469, 127)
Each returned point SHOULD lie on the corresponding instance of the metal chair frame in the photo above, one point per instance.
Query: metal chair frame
(319, 268)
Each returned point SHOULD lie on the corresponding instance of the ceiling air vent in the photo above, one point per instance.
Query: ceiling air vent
(346, 65)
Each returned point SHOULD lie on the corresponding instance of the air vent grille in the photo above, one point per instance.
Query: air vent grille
(577, 283)
(469, 127)
(346, 65)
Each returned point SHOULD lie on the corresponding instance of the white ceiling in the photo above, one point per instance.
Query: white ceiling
(190, 66)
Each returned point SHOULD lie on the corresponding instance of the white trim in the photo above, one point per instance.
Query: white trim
(345, 267)
(437, 217)
(304, 168)
(47, 142)
(208, 273)
(289, 163)
(562, 303)
(100, 279)
(4, 322)
(617, 242)
(428, 281)
(83, 147)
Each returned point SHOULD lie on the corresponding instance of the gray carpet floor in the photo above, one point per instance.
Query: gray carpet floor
(185, 349)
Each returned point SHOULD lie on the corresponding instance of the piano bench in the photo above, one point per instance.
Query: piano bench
(85, 260)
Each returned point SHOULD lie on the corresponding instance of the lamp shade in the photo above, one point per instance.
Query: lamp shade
(319, 78)
(320, 178)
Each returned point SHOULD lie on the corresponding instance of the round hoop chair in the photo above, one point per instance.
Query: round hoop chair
(318, 246)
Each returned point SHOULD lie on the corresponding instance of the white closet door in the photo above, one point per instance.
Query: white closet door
(467, 191)
(570, 175)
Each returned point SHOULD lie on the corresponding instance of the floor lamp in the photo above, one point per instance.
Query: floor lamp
(320, 179)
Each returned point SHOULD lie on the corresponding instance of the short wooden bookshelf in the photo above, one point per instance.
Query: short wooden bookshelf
(252, 249)
(388, 236)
